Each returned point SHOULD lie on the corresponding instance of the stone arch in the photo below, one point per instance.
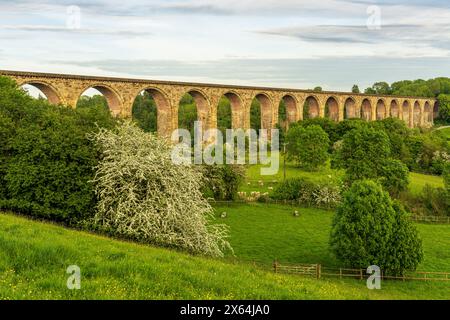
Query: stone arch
(406, 109)
(332, 108)
(112, 97)
(417, 113)
(313, 107)
(381, 109)
(436, 110)
(395, 109)
(428, 113)
(237, 109)
(266, 109)
(350, 110)
(291, 111)
(163, 110)
(201, 111)
(48, 90)
(366, 110)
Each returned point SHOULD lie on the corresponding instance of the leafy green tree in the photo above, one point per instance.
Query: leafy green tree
(318, 89)
(355, 89)
(96, 101)
(394, 177)
(222, 182)
(382, 88)
(328, 125)
(444, 108)
(224, 115)
(47, 159)
(144, 112)
(308, 146)
(369, 229)
(406, 250)
(187, 114)
(255, 115)
(363, 152)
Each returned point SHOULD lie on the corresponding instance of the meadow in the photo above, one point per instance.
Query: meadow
(262, 183)
(32, 267)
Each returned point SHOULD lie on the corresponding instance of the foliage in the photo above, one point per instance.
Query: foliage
(96, 101)
(144, 112)
(305, 192)
(222, 182)
(224, 117)
(47, 159)
(187, 114)
(444, 108)
(144, 196)
(255, 115)
(368, 227)
(308, 146)
(406, 250)
(355, 89)
(328, 125)
(394, 177)
(363, 153)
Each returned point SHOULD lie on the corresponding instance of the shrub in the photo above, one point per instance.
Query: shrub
(308, 146)
(222, 181)
(369, 229)
(47, 159)
(434, 201)
(328, 125)
(144, 196)
(394, 177)
(362, 153)
(305, 192)
(406, 250)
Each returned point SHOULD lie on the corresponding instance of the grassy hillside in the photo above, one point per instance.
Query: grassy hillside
(34, 257)
(264, 232)
(417, 180)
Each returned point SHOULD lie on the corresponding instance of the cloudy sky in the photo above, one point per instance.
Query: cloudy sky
(289, 43)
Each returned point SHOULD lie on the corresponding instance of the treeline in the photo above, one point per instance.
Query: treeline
(433, 88)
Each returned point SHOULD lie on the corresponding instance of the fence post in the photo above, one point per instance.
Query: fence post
(340, 273)
(318, 271)
(361, 273)
(275, 266)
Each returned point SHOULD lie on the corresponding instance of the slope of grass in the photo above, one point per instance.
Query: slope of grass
(34, 257)
(254, 177)
(264, 232)
(419, 180)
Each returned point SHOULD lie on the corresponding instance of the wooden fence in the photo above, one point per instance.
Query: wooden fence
(431, 219)
(318, 271)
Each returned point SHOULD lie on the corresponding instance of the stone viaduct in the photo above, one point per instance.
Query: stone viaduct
(121, 93)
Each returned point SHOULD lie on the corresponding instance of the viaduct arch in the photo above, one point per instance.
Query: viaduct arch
(120, 94)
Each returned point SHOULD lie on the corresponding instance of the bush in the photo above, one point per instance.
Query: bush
(363, 153)
(328, 125)
(305, 192)
(47, 159)
(308, 146)
(144, 196)
(222, 181)
(394, 177)
(406, 250)
(369, 229)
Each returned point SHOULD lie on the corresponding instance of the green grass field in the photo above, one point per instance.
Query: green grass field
(253, 178)
(34, 257)
(264, 232)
